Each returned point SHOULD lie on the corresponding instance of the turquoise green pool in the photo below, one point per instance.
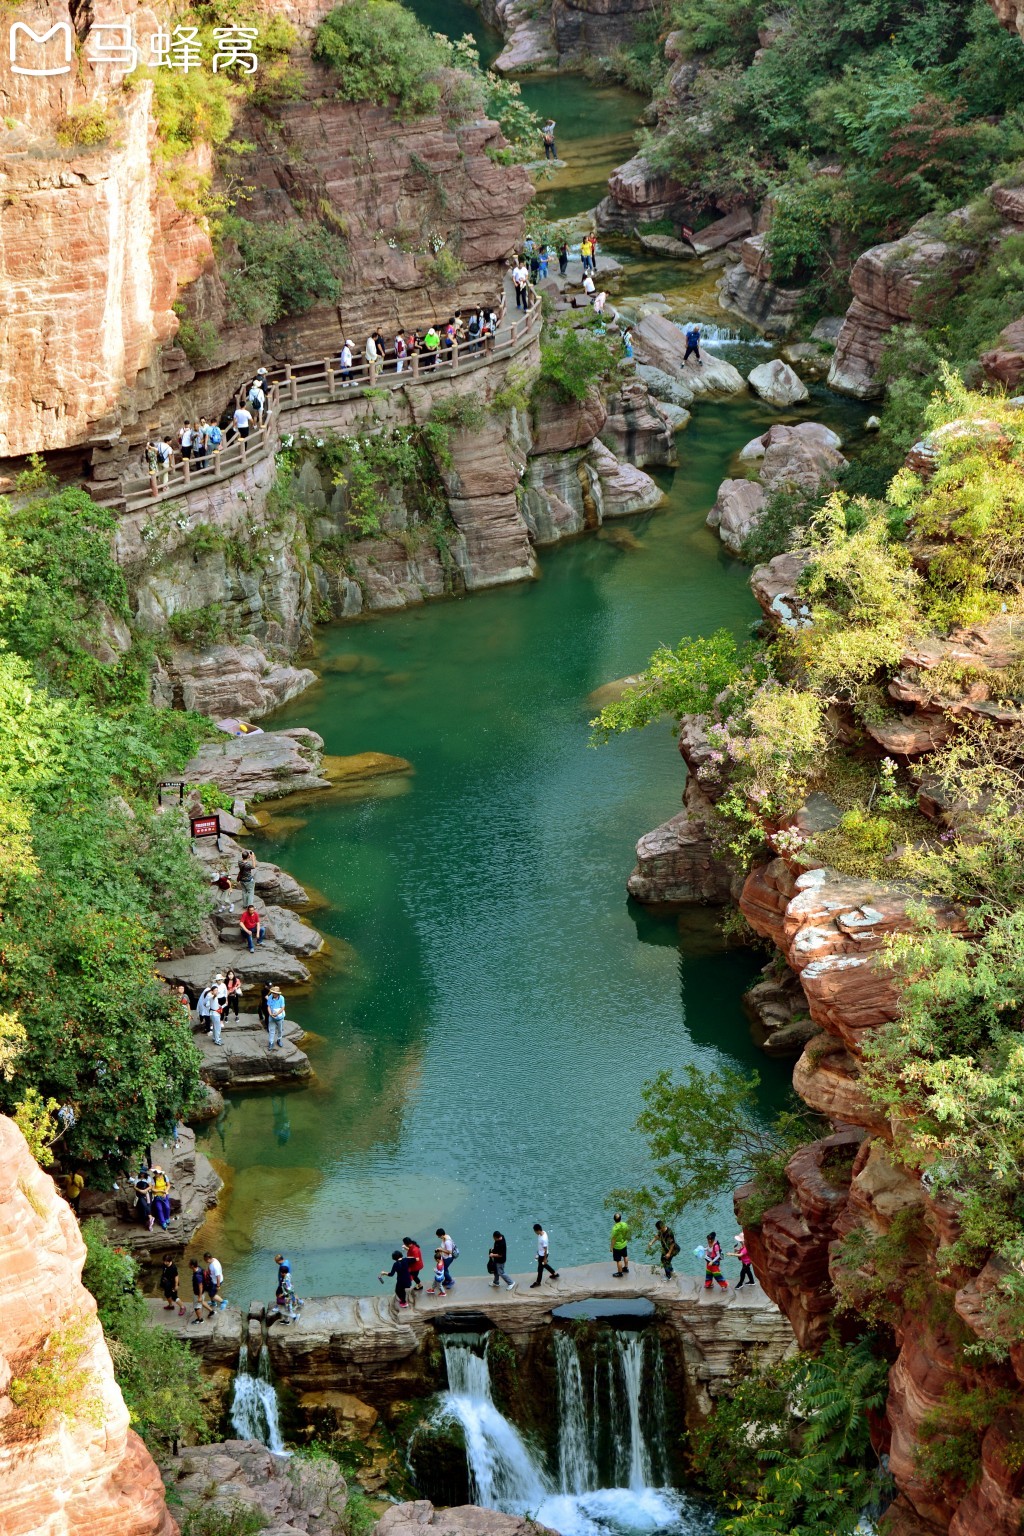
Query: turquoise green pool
(481, 1049)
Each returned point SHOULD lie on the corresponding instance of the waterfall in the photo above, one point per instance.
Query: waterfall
(503, 1472)
(254, 1404)
(636, 1473)
(577, 1449)
(506, 1473)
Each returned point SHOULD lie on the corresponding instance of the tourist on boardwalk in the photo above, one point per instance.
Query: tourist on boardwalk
(275, 1018)
(382, 351)
(619, 1241)
(345, 361)
(665, 1239)
(161, 1186)
(247, 876)
(370, 354)
(214, 438)
(742, 1252)
(450, 1250)
(563, 258)
(185, 439)
(257, 396)
(403, 1276)
(252, 928)
(242, 421)
(474, 331)
(169, 1286)
(437, 1289)
(543, 255)
(152, 465)
(520, 278)
(214, 1272)
(713, 1264)
(414, 1253)
(164, 455)
(200, 1300)
(496, 1261)
(693, 343)
(534, 268)
(542, 1256)
(548, 132)
(400, 352)
(431, 342)
(199, 429)
(233, 986)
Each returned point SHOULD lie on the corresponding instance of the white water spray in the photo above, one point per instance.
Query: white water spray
(503, 1473)
(254, 1404)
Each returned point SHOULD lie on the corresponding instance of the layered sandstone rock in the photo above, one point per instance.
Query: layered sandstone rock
(289, 1498)
(86, 1474)
(420, 1517)
(776, 382)
(748, 289)
(637, 195)
(636, 429)
(736, 512)
(678, 864)
(885, 281)
(267, 764)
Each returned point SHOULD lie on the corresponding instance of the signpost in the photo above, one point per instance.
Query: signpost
(206, 826)
(178, 784)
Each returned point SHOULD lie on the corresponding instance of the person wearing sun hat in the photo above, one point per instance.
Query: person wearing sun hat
(742, 1252)
(275, 1017)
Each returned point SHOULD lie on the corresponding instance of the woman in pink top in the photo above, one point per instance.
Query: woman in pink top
(742, 1252)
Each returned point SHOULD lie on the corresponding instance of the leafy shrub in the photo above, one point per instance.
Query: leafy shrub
(56, 1385)
(379, 52)
(84, 127)
(198, 627)
(573, 362)
(445, 269)
(283, 269)
(198, 339)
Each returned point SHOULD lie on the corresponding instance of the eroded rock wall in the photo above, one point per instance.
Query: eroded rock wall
(84, 1475)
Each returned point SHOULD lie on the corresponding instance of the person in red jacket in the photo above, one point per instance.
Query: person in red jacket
(252, 928)
(414, 1253)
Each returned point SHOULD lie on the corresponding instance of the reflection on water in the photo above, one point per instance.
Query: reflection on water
(480, 1060)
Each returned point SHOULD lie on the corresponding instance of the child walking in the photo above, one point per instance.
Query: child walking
(437, 1289)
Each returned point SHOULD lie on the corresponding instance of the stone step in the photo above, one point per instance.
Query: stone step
(269, 962)
(243, 1058)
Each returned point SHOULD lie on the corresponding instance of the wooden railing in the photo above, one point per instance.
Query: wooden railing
(316, 383)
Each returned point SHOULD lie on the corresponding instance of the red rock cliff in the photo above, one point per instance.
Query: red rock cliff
(78, 1477)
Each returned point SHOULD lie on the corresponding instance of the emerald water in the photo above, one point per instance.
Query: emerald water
(498, 1002)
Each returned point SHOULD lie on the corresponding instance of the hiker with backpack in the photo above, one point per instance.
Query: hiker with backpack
(548, 135)
(449, 1253)
(665, 1239)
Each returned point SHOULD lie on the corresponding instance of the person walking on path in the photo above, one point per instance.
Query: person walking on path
(275, 1018)
(619, 1241)
(548, 134)
(543, 1251)
(72, 1185)
(400, 351)
(185, 439)
(206, 1005)
(586, 254)
(450, 1250)
(693, 343)
(496, 1261)
(742, 1252)
(152, 465)
(431, 343)
(593, 251)
(520, 278)
(169, 1286)
(664, 1238)
(345, 362)
(563, 258)
(414, 1253)
(215, 1280)
(286, 1299)
(252, 928)
(403, 1276)
(242, 420)
(437, 1289)
(200, 1300)
(588, 287)
(247, 877)
(713, 1264)
(161, 1196)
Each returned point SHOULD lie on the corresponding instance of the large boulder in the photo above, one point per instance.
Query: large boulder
(636, 429)
(296, 1497)
(796, 458)
(661, 343)
(267, 764)
(622, 488)
(559, 425)
(421, 1518)
(229, 680)
(83, 1473)
(777, 383)
(736, 512)
(1004, 363)
(748, 289)
(639, 195)
(677, 865)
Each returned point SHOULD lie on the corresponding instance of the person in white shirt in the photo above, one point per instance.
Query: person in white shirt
(542, 1256)
(346, 363)
(449, 1253)
(185, 440)
(215, 1280)
(399, 352)
(520, 277)
(370, 354)
(599, 303)
(242, 420)
(588, 285)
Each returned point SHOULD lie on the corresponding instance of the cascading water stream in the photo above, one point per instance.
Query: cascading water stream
(507, 1473)
(254, 1404)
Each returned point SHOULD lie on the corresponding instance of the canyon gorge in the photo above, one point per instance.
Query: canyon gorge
(437, 587)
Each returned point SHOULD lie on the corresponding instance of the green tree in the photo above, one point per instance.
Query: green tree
(380, 52)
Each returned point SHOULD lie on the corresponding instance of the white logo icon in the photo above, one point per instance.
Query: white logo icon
(60, 28)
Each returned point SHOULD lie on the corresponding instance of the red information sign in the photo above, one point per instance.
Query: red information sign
(206, 826)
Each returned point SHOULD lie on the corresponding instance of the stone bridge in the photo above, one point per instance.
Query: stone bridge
(315, 395)
(365, 1346)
